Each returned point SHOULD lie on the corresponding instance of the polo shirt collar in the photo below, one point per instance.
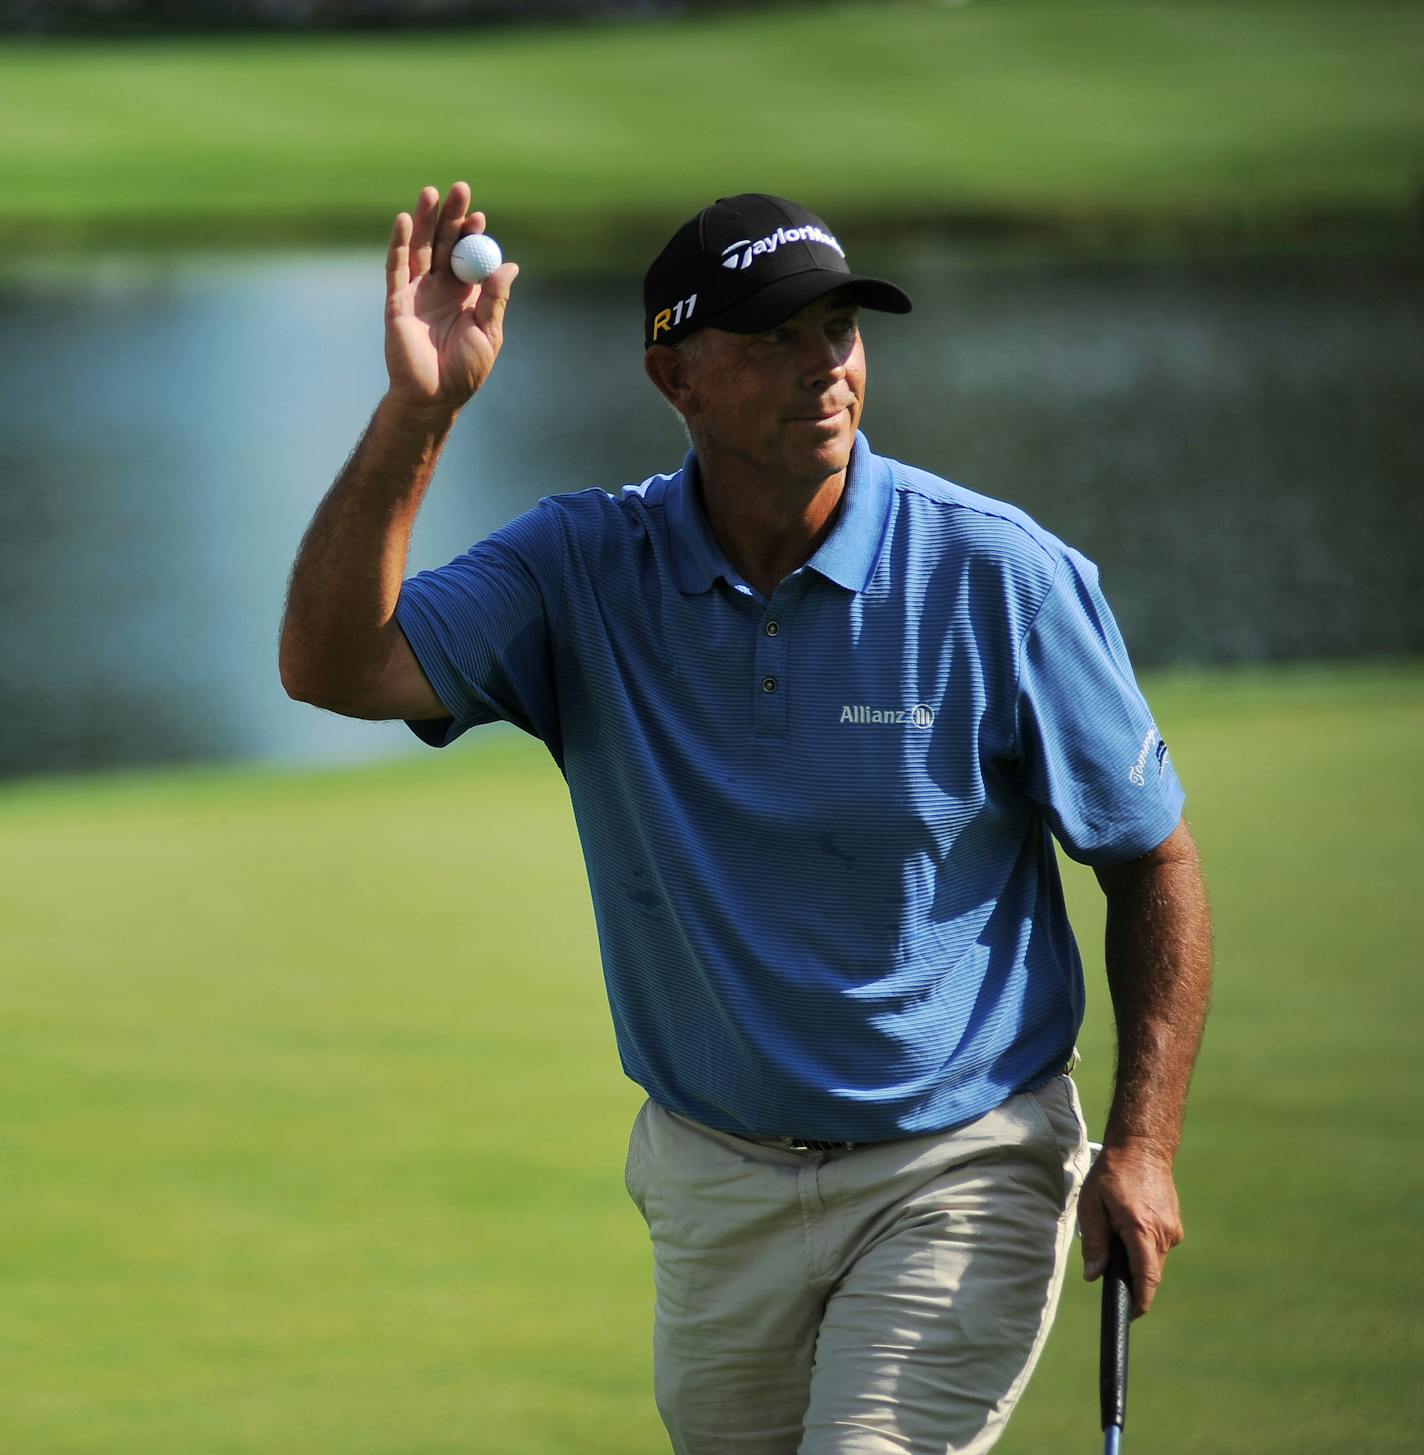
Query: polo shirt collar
(847, 556)
(697, 559)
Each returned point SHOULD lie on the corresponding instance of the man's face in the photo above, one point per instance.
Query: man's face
(787, 401)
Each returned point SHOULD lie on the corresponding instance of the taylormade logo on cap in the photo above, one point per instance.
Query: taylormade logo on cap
(745, 264)
(739, 255)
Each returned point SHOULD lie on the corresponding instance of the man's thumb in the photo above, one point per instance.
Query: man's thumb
(1093, 1225)
(494, 294)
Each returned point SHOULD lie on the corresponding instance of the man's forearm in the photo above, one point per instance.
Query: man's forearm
(349, 568)
(1159, 953)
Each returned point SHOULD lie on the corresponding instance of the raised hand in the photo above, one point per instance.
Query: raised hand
(442, 335)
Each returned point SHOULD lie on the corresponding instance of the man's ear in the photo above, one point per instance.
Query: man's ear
(668, 369)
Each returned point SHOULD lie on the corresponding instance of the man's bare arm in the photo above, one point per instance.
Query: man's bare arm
(341, 646)
(1159, 955)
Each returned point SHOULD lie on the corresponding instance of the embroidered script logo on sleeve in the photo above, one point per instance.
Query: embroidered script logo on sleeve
(1152, 745)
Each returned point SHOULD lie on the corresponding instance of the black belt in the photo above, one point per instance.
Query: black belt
(808, 1144)
(805, 1144)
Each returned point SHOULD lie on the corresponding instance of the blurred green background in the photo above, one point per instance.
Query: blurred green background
(1206, 120)
(311, 1125)
(314, 1130)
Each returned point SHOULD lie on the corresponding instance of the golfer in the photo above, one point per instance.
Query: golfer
(822, 715)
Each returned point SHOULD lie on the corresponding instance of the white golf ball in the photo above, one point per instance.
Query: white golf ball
(475, 257)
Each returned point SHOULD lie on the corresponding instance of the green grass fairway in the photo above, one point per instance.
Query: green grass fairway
(312, 1130)
(1106, 119)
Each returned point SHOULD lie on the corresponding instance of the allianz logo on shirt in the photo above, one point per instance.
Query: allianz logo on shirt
(861, 713)
(739, 255)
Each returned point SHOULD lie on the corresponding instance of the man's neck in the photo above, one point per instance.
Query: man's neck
(767, 526)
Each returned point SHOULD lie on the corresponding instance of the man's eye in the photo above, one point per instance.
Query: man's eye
(845, 327)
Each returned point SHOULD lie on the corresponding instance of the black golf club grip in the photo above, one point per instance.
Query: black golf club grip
(1112, 1353)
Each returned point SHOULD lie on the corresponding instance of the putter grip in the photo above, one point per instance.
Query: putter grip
(1112, 1357)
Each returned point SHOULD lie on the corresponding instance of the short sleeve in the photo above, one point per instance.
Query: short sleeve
(481, 629)
(1090, 754)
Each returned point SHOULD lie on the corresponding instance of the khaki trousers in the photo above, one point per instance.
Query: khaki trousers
(889, 1300)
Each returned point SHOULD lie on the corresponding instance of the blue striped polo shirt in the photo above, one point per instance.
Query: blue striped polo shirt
(818, 826)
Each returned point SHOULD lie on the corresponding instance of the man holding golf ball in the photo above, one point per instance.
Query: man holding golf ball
(475, 257)
(821, 715)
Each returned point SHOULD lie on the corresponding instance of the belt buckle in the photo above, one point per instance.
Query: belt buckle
(810, 1144)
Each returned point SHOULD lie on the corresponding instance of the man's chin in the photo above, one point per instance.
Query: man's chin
(831, 456)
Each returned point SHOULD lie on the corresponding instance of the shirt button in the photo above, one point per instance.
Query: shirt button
(768, 684)
(772, 627)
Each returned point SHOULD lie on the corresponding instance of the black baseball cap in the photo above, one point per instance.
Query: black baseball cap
(746, 263)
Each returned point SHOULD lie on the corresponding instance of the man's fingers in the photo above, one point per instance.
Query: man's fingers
(451, 224)
(1093, 1225)
(1130, 1191)
(422, 236)
(398, 255)
(1145, 1263)
(494, 298)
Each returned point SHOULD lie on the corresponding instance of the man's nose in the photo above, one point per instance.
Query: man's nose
(827, 364)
